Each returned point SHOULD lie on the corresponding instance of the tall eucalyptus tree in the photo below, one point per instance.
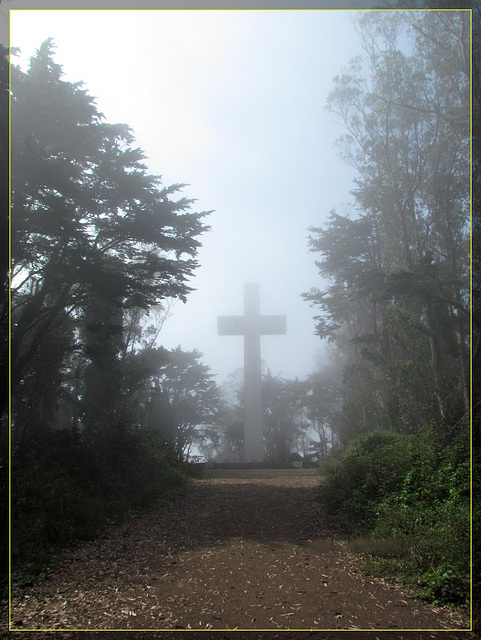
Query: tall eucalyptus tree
(400, 269)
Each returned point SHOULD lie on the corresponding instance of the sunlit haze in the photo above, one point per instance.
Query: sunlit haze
(231, 103)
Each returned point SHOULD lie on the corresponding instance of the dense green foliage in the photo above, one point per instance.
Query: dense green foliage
(371, 469)
(405, 499)
(476, 525)
(72, 485)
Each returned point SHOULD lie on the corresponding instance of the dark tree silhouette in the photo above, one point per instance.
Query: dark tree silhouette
(93, 233)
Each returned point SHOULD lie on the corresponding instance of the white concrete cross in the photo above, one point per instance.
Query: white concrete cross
(252, 325)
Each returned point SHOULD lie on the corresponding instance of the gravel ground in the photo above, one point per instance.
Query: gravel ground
(244, 549)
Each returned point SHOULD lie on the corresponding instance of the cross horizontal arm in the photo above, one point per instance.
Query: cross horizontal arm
(262, 325)
(272, 325)
(230, 325)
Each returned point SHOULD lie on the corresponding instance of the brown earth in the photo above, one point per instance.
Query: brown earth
(244, 549)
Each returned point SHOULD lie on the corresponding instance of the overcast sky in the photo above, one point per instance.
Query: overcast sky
(232, 103)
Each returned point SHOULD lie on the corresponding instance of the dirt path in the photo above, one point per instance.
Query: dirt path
(244, 549)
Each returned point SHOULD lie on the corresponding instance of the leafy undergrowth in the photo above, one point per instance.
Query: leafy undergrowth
(405, 501)
(76, 485)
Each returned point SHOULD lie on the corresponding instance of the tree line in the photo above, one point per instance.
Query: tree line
(396, 304)
(299, 418)
(94, 236)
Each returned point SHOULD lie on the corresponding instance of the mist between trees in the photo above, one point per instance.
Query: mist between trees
(103, 417)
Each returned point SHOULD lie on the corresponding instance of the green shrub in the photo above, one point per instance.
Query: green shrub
(435, 546)
(410, 495)
(70, 485)
(477, 533)
(372, 468)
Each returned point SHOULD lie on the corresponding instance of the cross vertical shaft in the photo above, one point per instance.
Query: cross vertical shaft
(253, 411)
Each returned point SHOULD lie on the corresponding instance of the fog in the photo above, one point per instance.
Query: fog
(232, 103)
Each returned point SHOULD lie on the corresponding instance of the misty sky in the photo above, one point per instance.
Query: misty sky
(232, 103)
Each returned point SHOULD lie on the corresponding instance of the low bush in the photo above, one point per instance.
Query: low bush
(477, 534)
(371, 469)
(74, 484)
(411, 496)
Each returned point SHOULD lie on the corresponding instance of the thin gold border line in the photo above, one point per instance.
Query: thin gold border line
(471, 384)
(236, 629)
(227, 9)
(9, 330)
